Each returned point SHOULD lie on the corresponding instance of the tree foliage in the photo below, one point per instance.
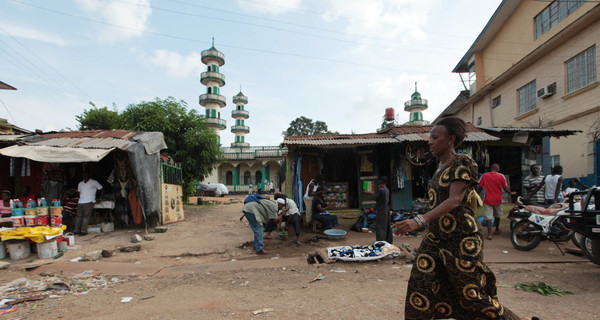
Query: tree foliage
(190, 142)
(98, 119)
(304, 126)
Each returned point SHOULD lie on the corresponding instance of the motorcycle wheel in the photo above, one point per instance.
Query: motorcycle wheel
(591, 248)
(595, 251)
(577, 239)
(526, 235)
(513, 222)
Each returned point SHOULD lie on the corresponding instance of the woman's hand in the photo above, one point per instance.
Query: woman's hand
(405, 226)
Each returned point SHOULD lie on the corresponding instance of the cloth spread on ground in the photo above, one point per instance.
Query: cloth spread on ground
(35, 234)
(378, 250)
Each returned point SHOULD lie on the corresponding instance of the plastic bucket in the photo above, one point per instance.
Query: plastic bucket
(30, 212)
(30, 221)
(47, 250)
(70, 238)
(56, 220)
(18, 250)
(56, 211)
(41, 220)
(62, 246)
(41, 211)
(18, 222)
(2, 250)
(18, 212)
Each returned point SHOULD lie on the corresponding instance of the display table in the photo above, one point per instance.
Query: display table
(103, 211)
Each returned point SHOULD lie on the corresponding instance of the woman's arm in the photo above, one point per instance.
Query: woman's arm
(457, 194)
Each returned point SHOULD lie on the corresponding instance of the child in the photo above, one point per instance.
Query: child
(69, 204)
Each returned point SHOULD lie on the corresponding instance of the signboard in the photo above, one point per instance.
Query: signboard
(172, 206)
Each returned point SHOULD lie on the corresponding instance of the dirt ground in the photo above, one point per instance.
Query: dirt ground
(203, 268)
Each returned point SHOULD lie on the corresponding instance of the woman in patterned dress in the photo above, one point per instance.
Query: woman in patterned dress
(449, 278)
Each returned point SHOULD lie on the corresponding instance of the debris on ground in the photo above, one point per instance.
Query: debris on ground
(262, 310)
(541, 288)
(160, 229)
(133, 248)
(317, 278)
(53, 286)
(149, 237)
(136, 238)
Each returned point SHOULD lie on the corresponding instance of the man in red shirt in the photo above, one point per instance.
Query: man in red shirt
(493, 182)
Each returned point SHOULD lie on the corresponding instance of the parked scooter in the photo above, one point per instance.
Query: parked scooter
(532, 224)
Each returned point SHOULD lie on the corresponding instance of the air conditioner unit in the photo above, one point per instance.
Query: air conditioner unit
(547, 91)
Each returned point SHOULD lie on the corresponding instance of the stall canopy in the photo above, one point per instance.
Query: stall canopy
(143, 149)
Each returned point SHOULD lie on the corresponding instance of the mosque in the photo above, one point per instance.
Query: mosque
(243, 163)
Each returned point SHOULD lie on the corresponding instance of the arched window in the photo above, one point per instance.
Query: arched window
(246, 177)
(258, 177)
(213, 113)
(208, 113)
(229, 177)
(208, 89)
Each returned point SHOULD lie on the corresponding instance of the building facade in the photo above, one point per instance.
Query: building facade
(534, 65)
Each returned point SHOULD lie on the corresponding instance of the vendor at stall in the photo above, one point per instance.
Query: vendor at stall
(5, 210)
(320, 212)
(88, 195)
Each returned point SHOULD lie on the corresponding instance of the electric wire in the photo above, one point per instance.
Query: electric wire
(8, 111)
(232, 46)
(34, 72)
(47, 64)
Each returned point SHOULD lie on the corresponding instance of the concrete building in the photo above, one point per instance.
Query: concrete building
(534, 65)
(213, 79)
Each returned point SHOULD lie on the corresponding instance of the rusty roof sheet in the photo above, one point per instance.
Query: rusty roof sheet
(339, 139)
(117, 134)
(87, 139)
(393, 134)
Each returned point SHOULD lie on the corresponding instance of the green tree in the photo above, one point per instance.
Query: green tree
(191, 143)
(98, 118)
(304, 126)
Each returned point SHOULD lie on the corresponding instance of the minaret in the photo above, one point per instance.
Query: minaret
(416, 106)
(212, 100)
(239, 114)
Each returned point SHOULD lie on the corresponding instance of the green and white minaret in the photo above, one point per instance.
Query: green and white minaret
(213, 79)
(240, 129)
(416, 105)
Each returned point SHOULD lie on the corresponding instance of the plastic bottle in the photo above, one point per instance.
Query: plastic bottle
(43, 202)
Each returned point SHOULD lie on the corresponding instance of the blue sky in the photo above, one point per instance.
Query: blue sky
(338, 61)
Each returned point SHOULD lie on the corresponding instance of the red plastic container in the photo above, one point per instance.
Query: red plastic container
(18, 222)
(56, 220)
(42, 220)
(30, 221)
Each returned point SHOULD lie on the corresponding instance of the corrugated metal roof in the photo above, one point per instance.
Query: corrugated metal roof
(517, 129)
(86, 143)
(393, 134)
(10, 137)
(328, 142)
(117, 134)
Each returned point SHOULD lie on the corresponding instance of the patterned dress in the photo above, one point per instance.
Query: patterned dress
(449, 278)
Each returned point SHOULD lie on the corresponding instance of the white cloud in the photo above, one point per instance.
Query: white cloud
(400, 20)
(269, 6)
(176, 65)
(126, 19)
(31, 34)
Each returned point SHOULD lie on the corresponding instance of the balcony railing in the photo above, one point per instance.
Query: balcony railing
(213, 54)
(240, 113)
(240, 99)
(237, 153)
(238, 128)
(208, 76)
(212, 97)
(215, 122)
(415, 102)
(240, 144)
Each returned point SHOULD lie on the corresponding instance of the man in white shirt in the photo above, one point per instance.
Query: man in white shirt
(287, 212)
(87, 197)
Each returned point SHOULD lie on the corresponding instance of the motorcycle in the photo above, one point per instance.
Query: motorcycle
(532, 224)
(584, 219)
